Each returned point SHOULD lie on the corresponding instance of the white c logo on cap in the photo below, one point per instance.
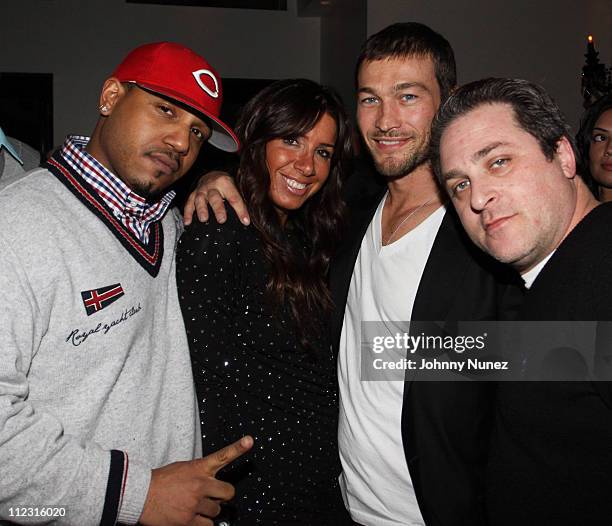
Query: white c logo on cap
(198, 74)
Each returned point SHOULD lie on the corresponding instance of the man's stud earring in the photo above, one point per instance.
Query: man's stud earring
(103, 108)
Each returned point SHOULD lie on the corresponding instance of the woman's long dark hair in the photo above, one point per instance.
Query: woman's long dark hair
(291, 108)
(583, 138)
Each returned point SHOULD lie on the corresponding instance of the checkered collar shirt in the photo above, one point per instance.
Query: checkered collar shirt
(130, 208)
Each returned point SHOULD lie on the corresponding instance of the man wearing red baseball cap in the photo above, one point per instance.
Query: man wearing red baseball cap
(95, 378)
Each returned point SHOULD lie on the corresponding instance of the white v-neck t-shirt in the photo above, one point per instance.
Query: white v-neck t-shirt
(375, 482)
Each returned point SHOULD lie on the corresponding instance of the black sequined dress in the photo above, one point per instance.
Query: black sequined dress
(253, 378)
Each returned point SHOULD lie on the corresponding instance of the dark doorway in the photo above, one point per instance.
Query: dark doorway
(26, 108)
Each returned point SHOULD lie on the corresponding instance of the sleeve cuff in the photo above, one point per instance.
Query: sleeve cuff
(126, 490)
(135, 489)
(114, 487)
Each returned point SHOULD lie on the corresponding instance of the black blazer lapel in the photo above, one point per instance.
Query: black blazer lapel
(342, 266)
(445, 425)
(443, 272)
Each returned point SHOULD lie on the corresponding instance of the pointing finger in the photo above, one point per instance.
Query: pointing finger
(219, 459)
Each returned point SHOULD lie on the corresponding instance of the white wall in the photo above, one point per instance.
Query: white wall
(81, 41)
(541, 40)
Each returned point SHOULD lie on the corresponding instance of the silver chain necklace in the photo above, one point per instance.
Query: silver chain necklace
(406, 219)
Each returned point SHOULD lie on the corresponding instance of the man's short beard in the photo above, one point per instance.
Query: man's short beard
(145, 191)
(393, 169)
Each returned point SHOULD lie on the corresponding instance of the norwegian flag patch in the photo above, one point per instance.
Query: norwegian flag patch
(97, 299)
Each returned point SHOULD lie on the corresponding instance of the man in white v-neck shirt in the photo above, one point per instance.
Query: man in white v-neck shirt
(403, 73)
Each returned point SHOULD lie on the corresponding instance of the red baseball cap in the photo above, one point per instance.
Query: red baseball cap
(178, 72)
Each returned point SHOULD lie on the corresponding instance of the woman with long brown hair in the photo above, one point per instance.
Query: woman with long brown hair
(255, 302)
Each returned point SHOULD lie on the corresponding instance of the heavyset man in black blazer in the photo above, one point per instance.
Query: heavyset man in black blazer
(502, 151)
(412, 452)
